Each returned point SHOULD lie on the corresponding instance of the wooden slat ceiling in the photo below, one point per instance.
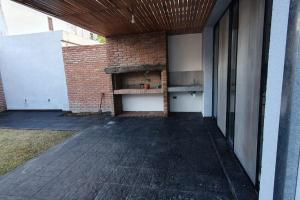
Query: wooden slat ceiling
(112, 17)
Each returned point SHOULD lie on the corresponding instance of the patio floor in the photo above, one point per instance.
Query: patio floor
(54, 120)
(182, 157)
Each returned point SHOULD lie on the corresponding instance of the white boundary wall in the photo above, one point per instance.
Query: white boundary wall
(33, 72)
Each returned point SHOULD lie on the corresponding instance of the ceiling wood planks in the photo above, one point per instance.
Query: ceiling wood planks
(113, 17)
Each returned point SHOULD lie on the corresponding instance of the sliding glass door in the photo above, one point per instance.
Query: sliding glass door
(232, 64)
(215, 70)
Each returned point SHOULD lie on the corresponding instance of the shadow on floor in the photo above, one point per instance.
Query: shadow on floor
(52, 120)
(176, 158)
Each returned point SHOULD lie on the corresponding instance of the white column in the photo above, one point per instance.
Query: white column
(279, 25)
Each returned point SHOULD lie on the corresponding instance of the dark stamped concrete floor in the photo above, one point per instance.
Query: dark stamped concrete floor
(183, 157)
(54, 120)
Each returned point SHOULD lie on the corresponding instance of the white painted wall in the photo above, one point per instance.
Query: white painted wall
(149, 102)
(186, 102)
(185, 52)
(32, 71)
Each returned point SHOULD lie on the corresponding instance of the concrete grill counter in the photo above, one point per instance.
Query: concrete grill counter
(194, 88)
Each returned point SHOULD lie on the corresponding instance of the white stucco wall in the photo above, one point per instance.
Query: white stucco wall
(32, 71)
(149, 102)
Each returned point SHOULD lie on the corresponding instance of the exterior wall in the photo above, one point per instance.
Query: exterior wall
(2, 97)
(138, 49)
(222, 71)
(185, 68)
(249, 62)
(87, 82)
(32, 72)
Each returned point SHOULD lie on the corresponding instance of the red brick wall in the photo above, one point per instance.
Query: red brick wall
(137, 49)
(2, 98)
(84, 66)
(164, 80)
(86, 79)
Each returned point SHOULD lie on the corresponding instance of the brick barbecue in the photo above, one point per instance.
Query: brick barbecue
(90, 89)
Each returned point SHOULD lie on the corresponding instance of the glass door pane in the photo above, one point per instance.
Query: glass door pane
(231, 95)
(215, 70)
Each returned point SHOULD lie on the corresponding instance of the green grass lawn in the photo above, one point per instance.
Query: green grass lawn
(18, 146)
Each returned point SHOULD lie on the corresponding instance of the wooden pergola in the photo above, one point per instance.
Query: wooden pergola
(115, 17)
